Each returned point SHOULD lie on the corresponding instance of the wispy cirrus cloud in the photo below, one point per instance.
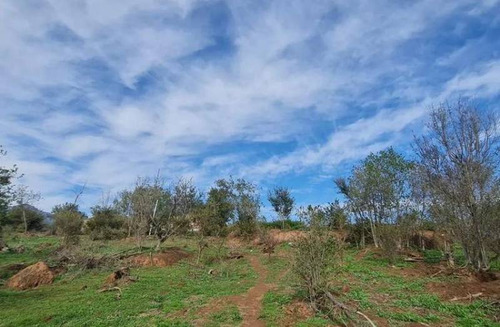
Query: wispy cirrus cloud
(276, 91)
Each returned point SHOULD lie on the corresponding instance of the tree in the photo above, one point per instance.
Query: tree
(378, 191)
(6, 176)
(219, 209)
(282, 202)
(459, 163)
(26, 217)
(68, 220)
(247, 205)
(105, 223)
(161, 211)
(24, 197)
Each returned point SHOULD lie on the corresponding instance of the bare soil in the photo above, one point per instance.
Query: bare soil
(163, 259)
(31, 277)
(249, 304)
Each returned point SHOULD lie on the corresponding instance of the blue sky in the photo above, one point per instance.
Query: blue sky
(288, 93)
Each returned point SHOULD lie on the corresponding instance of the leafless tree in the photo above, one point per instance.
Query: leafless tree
(459, 160)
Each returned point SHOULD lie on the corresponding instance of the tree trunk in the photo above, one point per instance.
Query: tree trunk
(25, 221)
(374, 234)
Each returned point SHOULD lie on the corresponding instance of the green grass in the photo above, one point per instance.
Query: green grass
(173, 296)
(229, 316)
(153, 300)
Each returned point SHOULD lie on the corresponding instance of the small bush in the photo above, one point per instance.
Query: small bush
(389, 241)
(68, 221)
(433, 256)
(105, 224)
(289, 224)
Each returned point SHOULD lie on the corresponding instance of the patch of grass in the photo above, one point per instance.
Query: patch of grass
(314, 322)
(169, 289)
(360, 296)
(273, 306)
(433, 256)
(229, 316)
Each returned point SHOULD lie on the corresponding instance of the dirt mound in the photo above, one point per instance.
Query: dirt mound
(163, 259)
(31, 277)
(117, 276)
(281, 236)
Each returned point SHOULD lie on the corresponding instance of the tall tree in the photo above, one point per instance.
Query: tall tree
(459, 162)
(6, 176)
(25, 197)
(282, 202)
(378, 190)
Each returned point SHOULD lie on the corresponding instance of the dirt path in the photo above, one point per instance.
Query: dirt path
(249, 304)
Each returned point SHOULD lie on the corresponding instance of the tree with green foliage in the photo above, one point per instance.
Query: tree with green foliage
(219, 209)
(282, 202)
(25, 197)
(159, 210)
(6, 176)
(105, 223)
(68, 220)
(459, 160)
(378, 190)
(26, 218)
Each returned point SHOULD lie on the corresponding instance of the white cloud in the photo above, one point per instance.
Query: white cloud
(77, 108)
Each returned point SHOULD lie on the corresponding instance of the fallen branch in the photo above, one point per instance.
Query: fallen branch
(435, 274)
(414, 259)
(347, 309)
(108, 289)
(468, 297)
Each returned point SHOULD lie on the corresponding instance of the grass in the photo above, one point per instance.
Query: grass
(155, 299)
(173, 296)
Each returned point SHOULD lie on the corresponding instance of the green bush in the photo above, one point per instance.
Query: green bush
(433, 256)
(289, 224)
(105, 224)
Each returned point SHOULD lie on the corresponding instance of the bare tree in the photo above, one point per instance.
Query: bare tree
(24, 197)
(459, 163)
(282, 202)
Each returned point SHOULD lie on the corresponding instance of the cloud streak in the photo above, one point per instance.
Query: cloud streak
(270, 90)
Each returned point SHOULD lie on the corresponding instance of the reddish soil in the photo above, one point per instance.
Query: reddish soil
(466, 288)
(249, 304)
(164, 259)
(31, 277)
(465, 285)
(296, 311)
(119, 277)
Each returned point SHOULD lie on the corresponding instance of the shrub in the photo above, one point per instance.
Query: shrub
(433, 256)
(289, 224)
(315, 255)
(389, 241)
(105, 224)
(68, 221)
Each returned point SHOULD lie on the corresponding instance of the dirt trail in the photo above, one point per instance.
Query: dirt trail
(249, 304)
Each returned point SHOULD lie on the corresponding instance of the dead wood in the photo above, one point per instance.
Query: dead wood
(346, 309)
(468, 297)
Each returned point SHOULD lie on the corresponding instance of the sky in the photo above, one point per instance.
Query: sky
(289, 93)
